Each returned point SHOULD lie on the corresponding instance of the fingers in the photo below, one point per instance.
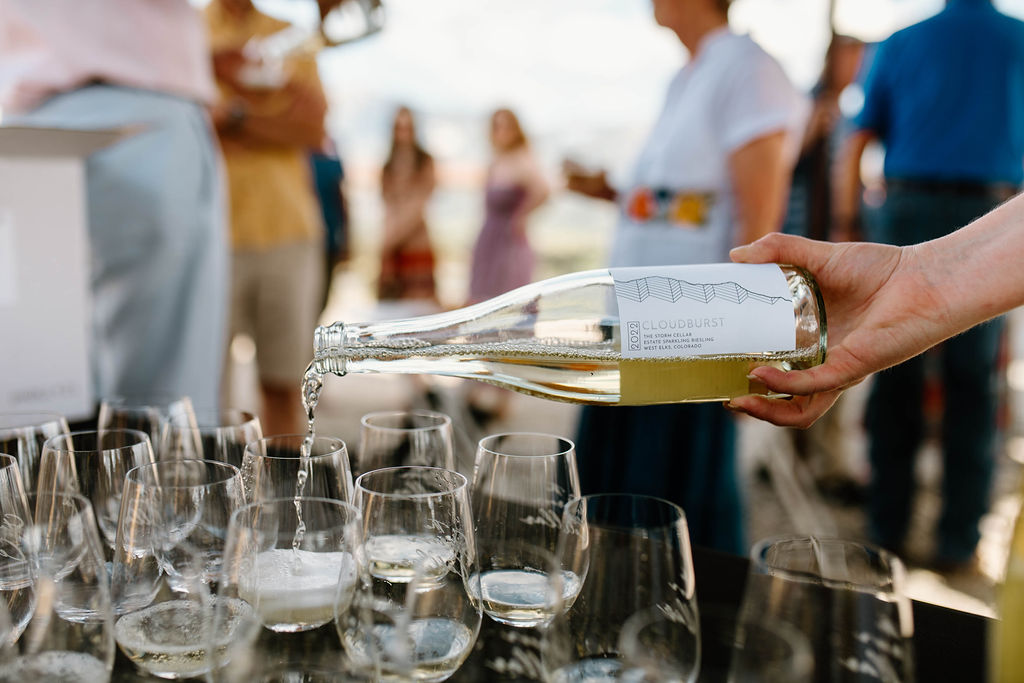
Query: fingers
(818, 379)
(801, 411)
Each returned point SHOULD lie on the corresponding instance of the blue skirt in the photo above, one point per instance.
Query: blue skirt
(682, 453)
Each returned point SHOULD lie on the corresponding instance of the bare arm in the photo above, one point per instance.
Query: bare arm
(885, 304)
(846, 200)
(760, 178)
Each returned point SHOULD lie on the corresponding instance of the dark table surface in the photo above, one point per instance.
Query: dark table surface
(948, 645)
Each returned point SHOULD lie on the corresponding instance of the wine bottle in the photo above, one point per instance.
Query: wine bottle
(621, 336)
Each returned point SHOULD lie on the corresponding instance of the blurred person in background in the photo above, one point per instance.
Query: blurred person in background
(945, 97)
(270, 115)
(155, 213)
(502, 257)
(713, 174)
(407, 182)
(826, 446)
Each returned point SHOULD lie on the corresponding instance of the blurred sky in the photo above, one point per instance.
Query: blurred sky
(586, 76)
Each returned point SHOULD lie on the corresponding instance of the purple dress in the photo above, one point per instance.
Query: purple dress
(502, 257)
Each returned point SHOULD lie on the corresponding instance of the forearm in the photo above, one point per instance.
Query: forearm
(977, 270)
(760, 179)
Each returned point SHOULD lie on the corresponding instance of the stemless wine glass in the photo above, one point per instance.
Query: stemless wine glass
(70, 636)
(413, 614)
(287, 557)
(146, 413)
(521, 484)
(22, 435)
(169, 550)
(16, 585)
(632, 553)
(419, 438)
(750, 650)
(95, 464)
(213, 435)
(274, 467)
(846, 597)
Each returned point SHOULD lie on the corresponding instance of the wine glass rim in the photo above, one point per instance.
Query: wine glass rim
(443, 420)
(570, 446)
(231, 472)
(26, 419)
(890, 561)
(461, 482)
(202, 424)
(8, 460)
(650, 500)
(342, 447)
(64, 443)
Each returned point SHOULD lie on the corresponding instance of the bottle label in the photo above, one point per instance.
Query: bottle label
(699, 310)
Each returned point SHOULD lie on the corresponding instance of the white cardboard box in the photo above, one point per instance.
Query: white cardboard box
(44, 270)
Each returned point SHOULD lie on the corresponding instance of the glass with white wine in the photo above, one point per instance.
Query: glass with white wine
(521, 483)
(626, 336)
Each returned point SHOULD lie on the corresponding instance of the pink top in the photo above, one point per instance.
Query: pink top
(50, 46)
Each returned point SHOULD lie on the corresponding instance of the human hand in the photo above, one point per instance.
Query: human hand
(880, 310)
(580, 180)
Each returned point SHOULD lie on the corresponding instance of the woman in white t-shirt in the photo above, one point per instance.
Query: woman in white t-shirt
(713, 174)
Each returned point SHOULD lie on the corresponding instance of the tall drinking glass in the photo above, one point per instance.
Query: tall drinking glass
(274, 468)
(632, 553)
(213, 435)
(847, 598)
(521, 484)
(95, 464)
(22, 435)
(420, 438)
(148, 413)
(17, 589)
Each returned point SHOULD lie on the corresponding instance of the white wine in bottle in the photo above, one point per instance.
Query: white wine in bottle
(624, 336)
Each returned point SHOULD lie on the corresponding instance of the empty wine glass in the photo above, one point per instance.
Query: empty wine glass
(274, 468)
(521, 484)
(287, 557)
(419, 438)
(212, 435)
(166, 506)
(70, 636)
(22, 435)
(632, 553)
(147, 413)
(95, 464)
(412, 614)
(847, 598)
(16, 579)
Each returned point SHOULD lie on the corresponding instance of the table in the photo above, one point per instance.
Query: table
(948, 645)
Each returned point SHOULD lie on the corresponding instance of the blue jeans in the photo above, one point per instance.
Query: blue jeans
(895, 419)
(158, 232)
(683, 453)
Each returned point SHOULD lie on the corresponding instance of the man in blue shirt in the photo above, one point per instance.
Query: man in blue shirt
(946, 99)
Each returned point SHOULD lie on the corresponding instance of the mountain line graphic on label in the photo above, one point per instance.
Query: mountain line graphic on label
(672, 290)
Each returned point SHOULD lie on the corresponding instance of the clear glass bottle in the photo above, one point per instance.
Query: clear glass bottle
(561, 338)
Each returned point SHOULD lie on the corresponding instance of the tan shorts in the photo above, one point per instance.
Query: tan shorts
(275, 299)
